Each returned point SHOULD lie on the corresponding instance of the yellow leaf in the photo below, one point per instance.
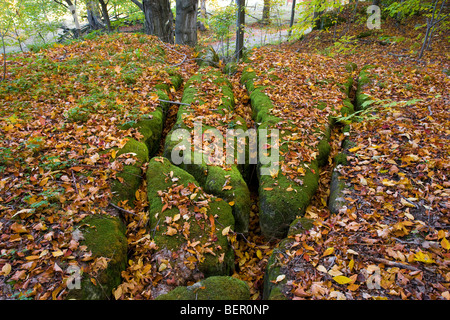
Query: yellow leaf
(445, 244)
(321, 268)
(354, 149)
(231, 203)
(57, 253)
(388, 183)
(423, 257)
(226, 230)
(342, 279)
(259, 254)
(171, 231)
(351, 264)
(43, 182)
(6, 269)
(118, 293)
(162, 267)
(328, 252)
(29, 258)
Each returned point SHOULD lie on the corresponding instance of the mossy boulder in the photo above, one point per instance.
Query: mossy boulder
(275, 267)
(181, 213)
(129, 179)
(223, 180)
(105, 237)
(338, 185)
(281, 198)
(212, 288)
(150, 127)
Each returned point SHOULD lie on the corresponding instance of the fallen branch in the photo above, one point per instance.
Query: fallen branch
(407, 57)
(175, 102)
(122, 209)
(393, 264)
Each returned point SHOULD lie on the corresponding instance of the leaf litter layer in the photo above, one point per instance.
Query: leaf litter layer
(389, 237)
(61, 110)
(393, 231)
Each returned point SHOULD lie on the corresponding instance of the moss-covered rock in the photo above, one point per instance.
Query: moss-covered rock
(212, 288)
(151, 126)
(223, 180)
(129, 179)
(105, 237)
(338, 186)
(274, 290)
(181, 213)
(281, 198)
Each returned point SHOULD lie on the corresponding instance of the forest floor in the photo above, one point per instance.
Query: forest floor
(394, 230)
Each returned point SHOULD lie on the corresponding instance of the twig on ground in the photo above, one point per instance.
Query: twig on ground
(175, 102)
(122, 209)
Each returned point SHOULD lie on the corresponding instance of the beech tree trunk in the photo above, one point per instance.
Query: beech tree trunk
(186, 22)
(266, 12)
(158, 19)
(240, 22)
(93, 15)
(105, 14)
(73, 12)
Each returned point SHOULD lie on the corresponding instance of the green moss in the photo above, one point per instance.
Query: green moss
(238, 194)
(212, 288)
(158, 179)
(131, 177)
(138, 148)
(247, 78)
(300, 225)
(105, 237)
(279, 207)
(272, 290)
(151, 128)
(230, 68)
(340, 158)
(212, 178)
(78, 114)
(324, 150)
(176, 80)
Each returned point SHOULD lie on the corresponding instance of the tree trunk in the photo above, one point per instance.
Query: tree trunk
(139, 4)
(158, 19)
(240, 22)
(266, 12)
(73, 12)
(105, 14)
(93, 15)
(202, 12)
(186, 22)
(376, 2)
(291, 22)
